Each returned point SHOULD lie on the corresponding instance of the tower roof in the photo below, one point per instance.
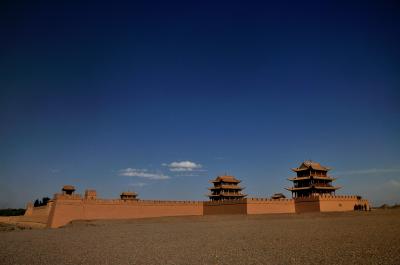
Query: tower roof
(68, 188)
(308, 164)
(128, 193)
(231, 179)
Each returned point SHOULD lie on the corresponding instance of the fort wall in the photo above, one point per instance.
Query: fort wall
(37, 214)
(329, 203)
(269, 206)
(225, 207)
(67, 209)
(249, 206)
(226, 197)
(341, 203)
(306, 204)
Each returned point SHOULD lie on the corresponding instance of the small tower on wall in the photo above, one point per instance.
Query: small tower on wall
(311, 179)
(226, 188)
(68, 190)
(129, 196)
(90, 194)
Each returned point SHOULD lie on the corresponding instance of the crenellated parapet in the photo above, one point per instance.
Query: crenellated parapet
(226, 202)
(327, 197)
(255, 200)
(170, 202)
(60, 196)
(140, 202)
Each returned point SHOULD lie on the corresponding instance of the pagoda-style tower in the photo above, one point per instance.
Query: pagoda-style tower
(312, 180)
(226, 188)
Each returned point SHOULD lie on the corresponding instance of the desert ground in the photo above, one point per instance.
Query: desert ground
(317, 238)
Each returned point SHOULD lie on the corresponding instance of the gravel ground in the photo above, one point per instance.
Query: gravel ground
(320, 238)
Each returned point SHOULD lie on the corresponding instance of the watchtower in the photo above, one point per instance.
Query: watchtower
(312, 179)
(129, 196)
(68, 190)
(90, 194)
(226, 188)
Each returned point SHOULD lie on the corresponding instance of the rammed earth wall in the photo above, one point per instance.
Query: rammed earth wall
(268, 206)
(340, 203)
(329, 203)
(37, 214)
(225, 207)
(65, 208)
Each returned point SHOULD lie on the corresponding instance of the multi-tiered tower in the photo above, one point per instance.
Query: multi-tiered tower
(226, 188)
(312, 180)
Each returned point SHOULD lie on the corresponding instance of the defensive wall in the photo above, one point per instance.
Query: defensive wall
(249, 206)
(268, 206)
(66, 208)
(33, 216)
(225, 207)
(329, 203)
(37, 214)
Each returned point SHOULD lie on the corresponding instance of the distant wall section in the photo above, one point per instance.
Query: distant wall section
(37, 214)
(67, 209)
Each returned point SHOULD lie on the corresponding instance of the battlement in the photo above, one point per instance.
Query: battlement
(59, 196)
(336, 197)
(327, 197)
(255, 200)
(91, 197)
(225, 202)
(139, 202)
(90, 194)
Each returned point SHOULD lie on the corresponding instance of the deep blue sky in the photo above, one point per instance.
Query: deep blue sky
(93, 92)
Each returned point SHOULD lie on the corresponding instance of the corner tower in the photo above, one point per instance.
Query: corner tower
(226, 188)
(312, 180)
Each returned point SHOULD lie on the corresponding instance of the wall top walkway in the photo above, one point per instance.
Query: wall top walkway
(78, 197)
(269, 200)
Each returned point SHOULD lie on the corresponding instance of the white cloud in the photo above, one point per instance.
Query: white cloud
(188, 174)
(183, 166)
(142, 173)
(138, 184)
(394, 183)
